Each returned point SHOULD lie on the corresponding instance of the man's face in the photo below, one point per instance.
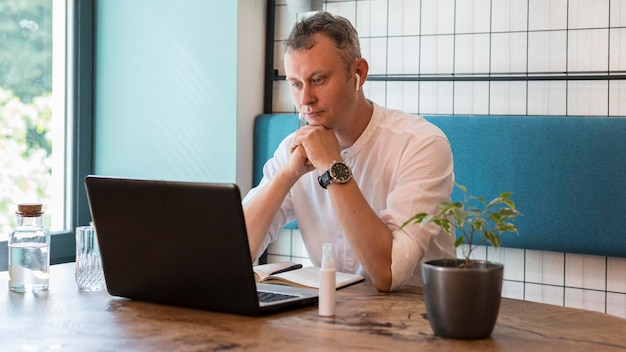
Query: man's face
(320, 88)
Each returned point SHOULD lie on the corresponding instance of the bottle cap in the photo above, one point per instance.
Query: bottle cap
(328, 259)
(29, 209)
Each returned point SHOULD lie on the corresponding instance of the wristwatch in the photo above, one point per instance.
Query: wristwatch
(337, 173)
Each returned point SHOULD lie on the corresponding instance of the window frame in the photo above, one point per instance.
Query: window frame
(81, 87)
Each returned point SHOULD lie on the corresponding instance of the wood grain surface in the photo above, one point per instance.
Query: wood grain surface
(66, 319)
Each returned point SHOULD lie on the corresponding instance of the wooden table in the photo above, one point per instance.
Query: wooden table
(66, 319)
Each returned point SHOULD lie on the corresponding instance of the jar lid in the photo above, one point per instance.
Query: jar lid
(29, 209)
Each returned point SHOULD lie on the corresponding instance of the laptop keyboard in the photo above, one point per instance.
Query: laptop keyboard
(267, 297)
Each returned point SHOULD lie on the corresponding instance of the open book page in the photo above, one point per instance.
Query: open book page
(263, 271)
(310, 277)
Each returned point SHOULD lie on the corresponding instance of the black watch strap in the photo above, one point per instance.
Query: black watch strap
(338, 172)
(324, 179)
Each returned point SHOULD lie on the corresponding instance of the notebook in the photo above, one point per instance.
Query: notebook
(180, 243)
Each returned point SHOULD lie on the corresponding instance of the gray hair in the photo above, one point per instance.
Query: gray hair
(337, 28)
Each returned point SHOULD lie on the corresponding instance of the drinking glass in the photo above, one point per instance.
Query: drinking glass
(89, 273)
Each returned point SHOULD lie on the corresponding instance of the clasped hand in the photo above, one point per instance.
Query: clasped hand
(313, 147)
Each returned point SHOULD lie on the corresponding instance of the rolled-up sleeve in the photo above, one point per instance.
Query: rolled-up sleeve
(424, 179)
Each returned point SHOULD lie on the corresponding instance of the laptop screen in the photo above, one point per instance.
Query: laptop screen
(177, 243)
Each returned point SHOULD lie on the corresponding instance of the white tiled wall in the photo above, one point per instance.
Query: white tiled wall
(486, 38)
(489, 37)
(572, 280)
(288, 247)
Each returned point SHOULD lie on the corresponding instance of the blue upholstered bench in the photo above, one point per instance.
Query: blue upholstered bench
(567, 174)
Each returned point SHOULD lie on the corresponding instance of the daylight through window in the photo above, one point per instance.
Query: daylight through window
(33, 123)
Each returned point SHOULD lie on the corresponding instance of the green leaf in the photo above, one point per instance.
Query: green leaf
(495, 217)
(505, 194)
(509, 203)
(476, 221)
(506, 227)
(492, 238)
(444, 224)
(508, 212)
(460, 215)
(415, 219)
(458, 242)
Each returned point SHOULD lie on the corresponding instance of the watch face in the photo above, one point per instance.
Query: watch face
(340, 172)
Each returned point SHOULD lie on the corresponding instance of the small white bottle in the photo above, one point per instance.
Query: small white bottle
(327, 282)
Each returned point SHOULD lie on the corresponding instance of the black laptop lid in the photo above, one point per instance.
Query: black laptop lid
(176, 243)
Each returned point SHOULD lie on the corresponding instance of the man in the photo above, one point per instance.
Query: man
(357, 172)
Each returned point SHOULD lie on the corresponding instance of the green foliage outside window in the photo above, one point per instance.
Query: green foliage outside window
(25, 160)
(26, 47)
(25, 105)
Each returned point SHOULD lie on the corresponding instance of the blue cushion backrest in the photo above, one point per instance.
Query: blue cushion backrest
(269, 131)
(567, 175)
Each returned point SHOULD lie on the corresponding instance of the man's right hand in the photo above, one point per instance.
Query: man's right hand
(298, 163)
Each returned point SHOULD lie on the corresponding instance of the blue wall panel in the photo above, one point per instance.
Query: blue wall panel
(166, 89)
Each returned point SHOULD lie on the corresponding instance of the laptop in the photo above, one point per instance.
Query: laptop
(181, 243)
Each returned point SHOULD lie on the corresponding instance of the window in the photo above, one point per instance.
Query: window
(43, 121)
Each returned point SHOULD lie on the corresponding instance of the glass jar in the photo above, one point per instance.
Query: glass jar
(29, 251)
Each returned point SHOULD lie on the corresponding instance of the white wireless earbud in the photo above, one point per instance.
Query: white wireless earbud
(358, 82)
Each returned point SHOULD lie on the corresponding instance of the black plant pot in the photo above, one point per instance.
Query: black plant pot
(462, 303)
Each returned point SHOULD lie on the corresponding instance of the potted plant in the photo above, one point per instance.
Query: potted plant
(462, 295)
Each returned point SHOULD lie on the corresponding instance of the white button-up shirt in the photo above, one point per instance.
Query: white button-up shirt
(403, 165)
